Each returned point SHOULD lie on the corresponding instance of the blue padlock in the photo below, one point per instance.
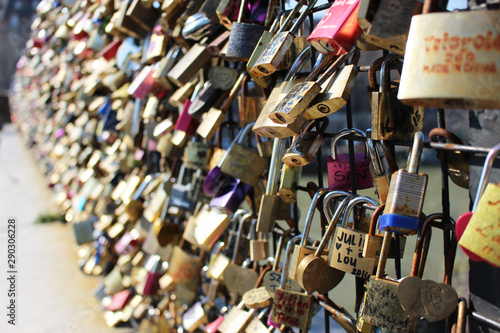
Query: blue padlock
(406, 195)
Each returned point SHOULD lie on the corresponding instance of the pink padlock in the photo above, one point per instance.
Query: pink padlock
(339, 171)
(154, 269)
(338, 30)
(128, 243)
(185, 122)
(142, 84)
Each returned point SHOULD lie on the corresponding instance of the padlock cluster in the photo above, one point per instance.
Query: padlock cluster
(174, 134)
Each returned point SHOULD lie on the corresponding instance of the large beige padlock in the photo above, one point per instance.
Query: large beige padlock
(444, 48)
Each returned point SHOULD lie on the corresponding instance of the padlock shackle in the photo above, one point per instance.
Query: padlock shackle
(384, 253)
(384, 72)
(372, 73)
(310, 215)
(373, 153)
(298, 63)
(416, 152)
(341, 134)
(374, 220)
(233, 93)
(142, 187)
(485, 175)
(279, 250)
(332, 226)
(291, 14)
(242, 10)
(302, 17)
(236, 251)
(335, 66)
(275, 165)
(242, 135)
(286, 261)
(355, 202)
(332, 195)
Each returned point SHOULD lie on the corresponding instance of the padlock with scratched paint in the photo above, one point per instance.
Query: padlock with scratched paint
(314, 273)
(264, 126)
(306, 145)
(242, 162)
(197, 154)
(297, 101)
(406, 195)
(291, 308)
(391, 120)
(223, 77)
(347, 246)
(432, 57)
(339, 172)
(338, 30)
(381, 306)
(281, 43)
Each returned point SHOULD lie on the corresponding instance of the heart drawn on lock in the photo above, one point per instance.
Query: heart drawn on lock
(338, 245)
(439, 300)
(300, 312)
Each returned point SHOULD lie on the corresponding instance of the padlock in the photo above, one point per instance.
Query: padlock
(379, 176)
(189, 65)
(184, 268)
(302, 250)
(306, 145)
(154, 270)
(185, 124)
(197, 154)
(157, 47)
(381, 306)
(391, 120)
(426, 298)
(144, 16)
(336, 92)
(207, 97)
(179, 197)
(223, 77)
(297, 101)
(230, 196)
(239, 279)
(345, 321)
(291, 308)
(218, 262)
(256, 325)
(142, 84)
(257, 297)
(213, 119)
(290, 178)
(406, 195)
(476, 230)
(458, 162)
(204, 228)
(227, 13)
(346, 250)
(390, 24)
(264, 126)
(314, 273)
(366, 12)
(236, 319)
(242, 162)
(270, 201)
(273, 55)
(216, 46)
(435, 57)
(260, 47)
(244, 36)
(181, 95)
(338, 30)
(339, 172)
(249, 106)
(194, 317)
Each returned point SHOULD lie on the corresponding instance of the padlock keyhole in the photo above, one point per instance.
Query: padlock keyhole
(280, 118)
(263, 69)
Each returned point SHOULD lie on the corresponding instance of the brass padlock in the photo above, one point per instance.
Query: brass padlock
(264, 126)
(281, 43)
(392, 120)
(189, 65)
(249, 106)
(290, 178)
(306, 145)
(313, 272)
(296, 102)
(242, 162)
(336, 91)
